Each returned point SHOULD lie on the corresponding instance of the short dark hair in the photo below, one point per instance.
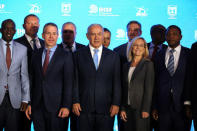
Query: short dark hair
(175, 27)
(156, 27)
(49, 24)
(6, 21)
(25, 19)
(105, 29)
(69, 23)
(134, 22)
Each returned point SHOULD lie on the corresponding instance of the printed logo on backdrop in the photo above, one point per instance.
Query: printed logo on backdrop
(195, 33)
(141, 12)
(172, 11)
(35, 8)
(20, 32)
(3, 10)
(121, 34)
(66, 9)
(95, 10)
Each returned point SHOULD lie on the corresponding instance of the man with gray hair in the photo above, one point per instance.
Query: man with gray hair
(97, 93)
(68, 37)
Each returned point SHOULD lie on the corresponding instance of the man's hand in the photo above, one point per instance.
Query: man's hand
(123, 116)
(28, 112)
(76, 109)
(64, 112)
(114, 110)
(23, 106)
(155, 114)
(145, 114)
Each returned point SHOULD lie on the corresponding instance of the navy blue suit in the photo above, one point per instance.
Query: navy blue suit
(122, 51)
(170, 105)
(51, 91)
(97, 90)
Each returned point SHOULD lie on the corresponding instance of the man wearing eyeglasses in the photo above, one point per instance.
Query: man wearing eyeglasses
(68, 37)
(33, 43)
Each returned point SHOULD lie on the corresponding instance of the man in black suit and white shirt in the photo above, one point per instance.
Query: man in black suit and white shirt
(33, 43)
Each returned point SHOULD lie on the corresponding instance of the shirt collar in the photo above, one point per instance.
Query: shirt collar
(73, 45)
(153, 45)
(92, 48)
(4, 42)
(29, 39)
(52, 49)
(177, 49)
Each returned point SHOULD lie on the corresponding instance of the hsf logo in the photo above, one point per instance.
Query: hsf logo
(172, 11)
(94, 10)
(2, 6)
(35, 8)
(141, 12)
(66, 9)
(20, 32)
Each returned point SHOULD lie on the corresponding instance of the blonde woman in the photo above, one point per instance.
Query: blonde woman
(138, 82)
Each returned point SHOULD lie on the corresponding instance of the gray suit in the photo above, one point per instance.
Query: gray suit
(140, 92)
(16, 77)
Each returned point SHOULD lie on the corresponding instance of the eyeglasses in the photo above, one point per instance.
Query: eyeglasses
(141, 45)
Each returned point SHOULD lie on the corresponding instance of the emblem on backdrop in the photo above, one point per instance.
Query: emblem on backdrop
(3, 10)
(172, 11)
(66, 9)
(121, 34)
(141, 12)
(35, 8)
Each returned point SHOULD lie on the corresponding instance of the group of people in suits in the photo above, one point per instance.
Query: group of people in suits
(148, 85)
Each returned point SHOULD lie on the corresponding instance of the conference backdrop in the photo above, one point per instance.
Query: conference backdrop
(112, 14)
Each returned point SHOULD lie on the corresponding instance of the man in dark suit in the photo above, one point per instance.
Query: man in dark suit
(157, 33)
(133, 30)
(14, 80)
(68, 37)
(69, 44)
(52, 81)
(190, 86)
(97, 91)
(170, 70)
(33, 43)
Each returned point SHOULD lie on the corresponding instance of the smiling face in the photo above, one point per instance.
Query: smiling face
(138, 48)
(133, 30)
(50, 36)
(8, 30)
(95, 36)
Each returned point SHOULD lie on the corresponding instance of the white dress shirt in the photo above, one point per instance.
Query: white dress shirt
(5, 47)
(29, 39)
(176, 54)
(100, 49)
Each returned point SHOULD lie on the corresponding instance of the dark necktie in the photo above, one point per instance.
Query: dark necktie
(46, 61)
(170, 66)
(69, 48)
(8, 56)
(154, 52)
(34, 44)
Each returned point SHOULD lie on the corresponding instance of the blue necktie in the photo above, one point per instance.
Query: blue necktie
(170, 66)
(95, 58)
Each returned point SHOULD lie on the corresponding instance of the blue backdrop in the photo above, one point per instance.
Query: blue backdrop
(113, 14)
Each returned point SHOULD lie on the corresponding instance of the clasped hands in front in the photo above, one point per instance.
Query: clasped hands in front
(114, 109)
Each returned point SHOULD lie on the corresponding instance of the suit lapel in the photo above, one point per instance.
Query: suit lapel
(90, 59)
(102, 60)
(181, 60)
(138, 68)
(14, 54)
(2, 58)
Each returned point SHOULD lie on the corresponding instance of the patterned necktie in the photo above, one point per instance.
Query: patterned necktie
(8, 56)
(170, 66)
(34, 44)
(95, 58)
(46, 61)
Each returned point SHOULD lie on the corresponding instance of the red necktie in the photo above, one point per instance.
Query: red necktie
(8, 56)
(46, 61)
(154, 52)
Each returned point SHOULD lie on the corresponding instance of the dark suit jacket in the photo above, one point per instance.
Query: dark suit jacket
(122, 50)
(191, 80)
(78, 46)
(163, 99)
(163, 45)
(97, 90)
(23, 40)
(55, 88)
(141, 86)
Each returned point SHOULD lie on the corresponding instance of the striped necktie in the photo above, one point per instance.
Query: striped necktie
(170, 66)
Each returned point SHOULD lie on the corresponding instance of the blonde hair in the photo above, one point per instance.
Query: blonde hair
(130, 53)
